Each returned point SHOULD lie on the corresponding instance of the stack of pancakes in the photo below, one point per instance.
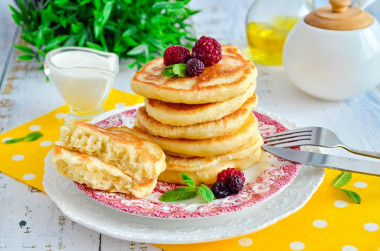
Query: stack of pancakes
(204, 124)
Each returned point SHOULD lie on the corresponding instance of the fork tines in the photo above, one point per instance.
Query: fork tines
(296, 137)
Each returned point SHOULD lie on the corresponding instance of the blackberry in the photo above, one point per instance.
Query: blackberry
(194, 67)
(208, 50)
(176, 54)
(226, 173)
(220, 190)
(235, 184)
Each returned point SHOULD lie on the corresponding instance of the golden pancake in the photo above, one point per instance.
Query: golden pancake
(207, 147)
(205, 170)
(183, 114)
(132, 152)
(224, 80)
(96, 174)
(224, 126)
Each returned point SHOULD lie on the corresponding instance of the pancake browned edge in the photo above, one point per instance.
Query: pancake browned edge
(224, 80)
(96, 174)
(224, 126)
(183, 114)
(207, 147)
(205, 169)
(132, 152)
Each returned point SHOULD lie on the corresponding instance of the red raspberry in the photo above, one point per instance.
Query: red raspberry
(176, 54)
(208, 50)
(194, 67)
(235, 184)
(224, 175)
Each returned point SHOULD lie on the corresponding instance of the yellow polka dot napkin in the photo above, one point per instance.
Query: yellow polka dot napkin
(25, 160)
(329, 221)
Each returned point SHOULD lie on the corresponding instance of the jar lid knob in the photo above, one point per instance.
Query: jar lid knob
(339, 6)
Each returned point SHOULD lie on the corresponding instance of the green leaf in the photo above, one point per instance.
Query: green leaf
(24, 48)
(107, 12)
(15, 140)
(205, 192)
(180, 70)
(26, 57)
(178, 194)
(168, 72)
(94, 46)
(354, 196)
(33, 136)
(57, 41)
(188, 180)
(342, 179)
(138, 49)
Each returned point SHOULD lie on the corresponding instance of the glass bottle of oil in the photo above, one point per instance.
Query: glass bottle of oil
(268, 23)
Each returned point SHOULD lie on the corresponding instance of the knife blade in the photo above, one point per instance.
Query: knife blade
(326, 160)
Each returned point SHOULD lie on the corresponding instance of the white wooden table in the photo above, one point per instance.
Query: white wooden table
(25, 95)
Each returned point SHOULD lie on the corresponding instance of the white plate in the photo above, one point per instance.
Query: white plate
(87, 212)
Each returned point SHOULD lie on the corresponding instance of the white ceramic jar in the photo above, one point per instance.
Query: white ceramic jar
(333, 64)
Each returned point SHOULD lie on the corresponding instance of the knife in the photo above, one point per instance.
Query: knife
(326, 160)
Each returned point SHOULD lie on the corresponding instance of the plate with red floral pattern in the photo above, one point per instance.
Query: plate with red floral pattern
(264, 180)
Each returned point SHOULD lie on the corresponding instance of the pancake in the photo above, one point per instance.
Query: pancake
(224, 126)
(224, 80)
(96, 174)
(132, 152)
(183, 114)
(205, 170)
(207, 147)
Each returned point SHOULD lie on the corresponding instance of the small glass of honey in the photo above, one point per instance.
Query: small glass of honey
(268, 24)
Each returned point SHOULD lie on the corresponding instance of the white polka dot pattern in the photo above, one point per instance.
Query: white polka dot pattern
(35, 127)
(319, 223)
(18, 157)
(349, 248)
(296, 245)
(119, 105)
(371, 227)
(60, 115)
(5, 139)
(245, 242)
(29, 176)
(360, 184)
(340, 203)
(45, 143)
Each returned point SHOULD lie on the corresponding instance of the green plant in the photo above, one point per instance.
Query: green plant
(342, 179)
(138, 30)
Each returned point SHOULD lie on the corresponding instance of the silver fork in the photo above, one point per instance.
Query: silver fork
(312, 136)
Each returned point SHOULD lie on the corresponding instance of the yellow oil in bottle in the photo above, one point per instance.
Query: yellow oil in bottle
(266, 40)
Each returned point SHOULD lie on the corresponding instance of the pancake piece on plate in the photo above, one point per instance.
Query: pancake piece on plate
(226, 125)
(183, 114)
(230, 77)
(89, 170)
(132, 152)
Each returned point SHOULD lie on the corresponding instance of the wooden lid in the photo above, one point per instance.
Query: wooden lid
(339, 16)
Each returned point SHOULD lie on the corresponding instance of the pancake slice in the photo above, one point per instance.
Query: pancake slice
(183, 114)
(96, 174)
(132, 152)
(224, 80)
(224, 126)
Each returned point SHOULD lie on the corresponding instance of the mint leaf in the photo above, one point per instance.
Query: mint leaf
(205, 192)
(175, 70)
(188, 180)
(33, 136)
(354, 196)
(179, 70)
(342, 179)
(168, 72)
(30, 137)
(12, 141)
(179, 193)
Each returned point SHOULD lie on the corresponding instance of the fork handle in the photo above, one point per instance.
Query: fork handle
(361, 152)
